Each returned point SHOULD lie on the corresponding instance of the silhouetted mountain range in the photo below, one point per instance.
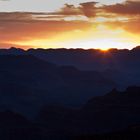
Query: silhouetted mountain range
(91, 59)
(122, 66)
(63, 92)
(29, 81)
(113, 112)
(115, 115)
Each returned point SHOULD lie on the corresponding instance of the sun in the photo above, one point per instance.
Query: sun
(103, 44)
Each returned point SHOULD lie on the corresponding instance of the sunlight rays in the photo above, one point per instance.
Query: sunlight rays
(98, 37)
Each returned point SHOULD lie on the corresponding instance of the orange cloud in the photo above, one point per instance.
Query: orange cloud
(14, 27)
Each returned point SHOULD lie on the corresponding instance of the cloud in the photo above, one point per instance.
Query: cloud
(26, 26)
(126, 8)
(87, 9)
(69, 10)
(23, 27)
(13, 16)
(131, 26)
(126, 13)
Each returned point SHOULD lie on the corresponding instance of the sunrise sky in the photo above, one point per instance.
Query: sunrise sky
(84, 24)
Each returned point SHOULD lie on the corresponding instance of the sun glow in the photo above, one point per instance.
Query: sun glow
(103, 44)
(100, 37)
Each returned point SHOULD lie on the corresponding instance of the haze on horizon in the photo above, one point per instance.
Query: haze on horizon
(84, 24)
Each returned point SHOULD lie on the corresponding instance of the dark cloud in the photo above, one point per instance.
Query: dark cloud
(21, 16)
(129, 10)
(6, 16)
(87, 9)
(70, 10)
(126, 8)
(90, 10)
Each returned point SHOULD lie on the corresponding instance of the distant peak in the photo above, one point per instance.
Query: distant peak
(136, 48)
(113, 92)
(14, 48)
